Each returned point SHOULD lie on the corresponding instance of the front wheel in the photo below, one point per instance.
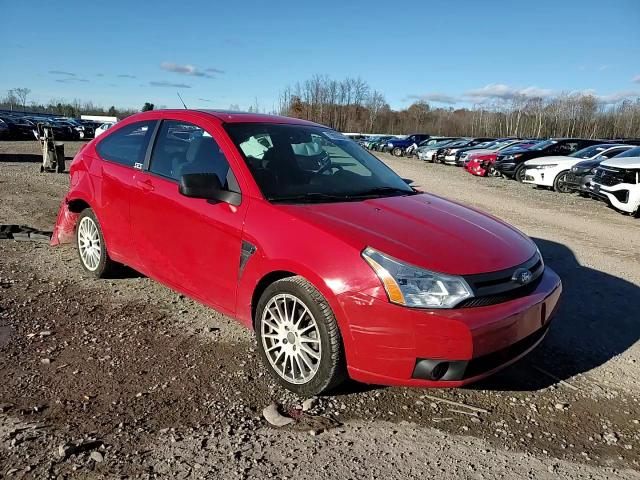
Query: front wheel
(298, 337)
(519, 173)
(396, 152)
(560, 183)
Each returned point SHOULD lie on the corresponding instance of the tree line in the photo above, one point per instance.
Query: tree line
(351, 105)
(17, 99)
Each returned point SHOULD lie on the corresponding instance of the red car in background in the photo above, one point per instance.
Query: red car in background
(481, 164)
(340, 267)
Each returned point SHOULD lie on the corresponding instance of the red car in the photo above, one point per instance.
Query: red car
(480, 165)
(340, 268)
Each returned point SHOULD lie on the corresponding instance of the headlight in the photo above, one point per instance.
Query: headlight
(594, 170)
(542, 167)
(415, 287)
(389, 144)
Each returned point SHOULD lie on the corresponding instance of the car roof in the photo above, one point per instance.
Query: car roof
(230, 116)
(624, 162)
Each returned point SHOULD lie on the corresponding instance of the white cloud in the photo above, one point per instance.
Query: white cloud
(190, 70)
(169, 84)
(636, 79)
(435, 97)
(609, 99)
(505, 92)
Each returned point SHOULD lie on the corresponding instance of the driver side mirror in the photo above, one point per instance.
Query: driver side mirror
(208, 187)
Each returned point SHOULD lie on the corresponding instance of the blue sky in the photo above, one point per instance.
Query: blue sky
(219, 54)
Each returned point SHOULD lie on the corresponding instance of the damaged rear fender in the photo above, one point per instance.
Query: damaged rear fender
(64, 230)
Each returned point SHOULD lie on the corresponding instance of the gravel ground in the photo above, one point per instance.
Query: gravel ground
(125, 378)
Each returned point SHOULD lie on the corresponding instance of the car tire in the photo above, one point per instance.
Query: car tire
(396, 152)
(560, 184)
(306, 367)
(519, 173)
(91, 247)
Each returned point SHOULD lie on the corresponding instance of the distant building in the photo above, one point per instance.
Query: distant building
(99, 118)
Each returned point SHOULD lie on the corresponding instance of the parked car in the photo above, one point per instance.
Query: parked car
(448, 154)
(428, 153)
(412, 149)
(463, 154)
(103, 128)
(61, 131)
(76, 126)
(581, 174)
(566, 174)
(512, 164)
(342, 272)
(617, 181)
(4, 130)
(482, 163)
(397, 145)
(18, 128)
(553, 171)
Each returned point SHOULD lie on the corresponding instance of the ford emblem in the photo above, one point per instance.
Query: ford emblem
(522, 276)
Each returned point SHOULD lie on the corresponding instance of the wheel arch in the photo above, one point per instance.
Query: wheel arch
(262, 285)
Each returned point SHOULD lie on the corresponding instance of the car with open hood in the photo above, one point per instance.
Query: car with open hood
(579, 178)
(553, 171)
(617, 181)
(341, 271)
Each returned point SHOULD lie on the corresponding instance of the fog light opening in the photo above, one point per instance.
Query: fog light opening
(439, 371)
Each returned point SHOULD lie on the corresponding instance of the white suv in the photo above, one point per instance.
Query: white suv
(617, 181)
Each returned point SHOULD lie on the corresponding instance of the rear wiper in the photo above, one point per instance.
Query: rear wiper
(384, 190)
(312, 197)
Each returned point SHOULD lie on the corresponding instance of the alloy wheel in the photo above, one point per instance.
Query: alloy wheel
(89, 243)
(291, 338)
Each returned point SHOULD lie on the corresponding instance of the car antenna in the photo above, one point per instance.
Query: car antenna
(185, 107)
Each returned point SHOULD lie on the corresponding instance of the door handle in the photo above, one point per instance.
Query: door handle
(144, 185)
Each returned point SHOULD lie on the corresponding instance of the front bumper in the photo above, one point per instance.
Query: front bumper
(389, 344)
(579, 182)
(506, 168)
(539, 177)
(623, 196)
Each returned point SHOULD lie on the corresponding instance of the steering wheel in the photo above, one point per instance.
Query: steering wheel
(329, 166)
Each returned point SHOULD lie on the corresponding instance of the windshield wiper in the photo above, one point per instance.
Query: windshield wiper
(311, 197)
(383, 191)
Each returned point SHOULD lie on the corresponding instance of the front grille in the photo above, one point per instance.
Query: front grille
(494, 299)
(499, 287)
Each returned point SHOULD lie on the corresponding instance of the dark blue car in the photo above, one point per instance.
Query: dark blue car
(397, 146)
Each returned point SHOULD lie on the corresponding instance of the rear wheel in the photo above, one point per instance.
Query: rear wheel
(298, 337)
(91, 247)
(560, 183)
(397, 152)
(519, 173)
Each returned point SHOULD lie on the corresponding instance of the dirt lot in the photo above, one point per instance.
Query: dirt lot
(124, 378)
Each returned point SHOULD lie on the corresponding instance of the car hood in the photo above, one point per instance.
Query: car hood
(423, 230)
(624, 162)
(481, 151)
(560, 160)
(588, 163)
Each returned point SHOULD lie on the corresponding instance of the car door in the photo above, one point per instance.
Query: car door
(121, 151)
(189, 243)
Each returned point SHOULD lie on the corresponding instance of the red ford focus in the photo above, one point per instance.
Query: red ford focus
(340, 267)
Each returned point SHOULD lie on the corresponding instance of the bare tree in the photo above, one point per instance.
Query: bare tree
(21, 95)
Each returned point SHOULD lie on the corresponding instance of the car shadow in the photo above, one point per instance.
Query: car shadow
(596, 320)
(20, 158)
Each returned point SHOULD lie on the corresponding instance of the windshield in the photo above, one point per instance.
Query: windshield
(543, 145)
(590, 152)
(302, 164)
(634, 152)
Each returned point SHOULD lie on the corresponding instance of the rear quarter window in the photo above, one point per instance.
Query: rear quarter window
(128, 144)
